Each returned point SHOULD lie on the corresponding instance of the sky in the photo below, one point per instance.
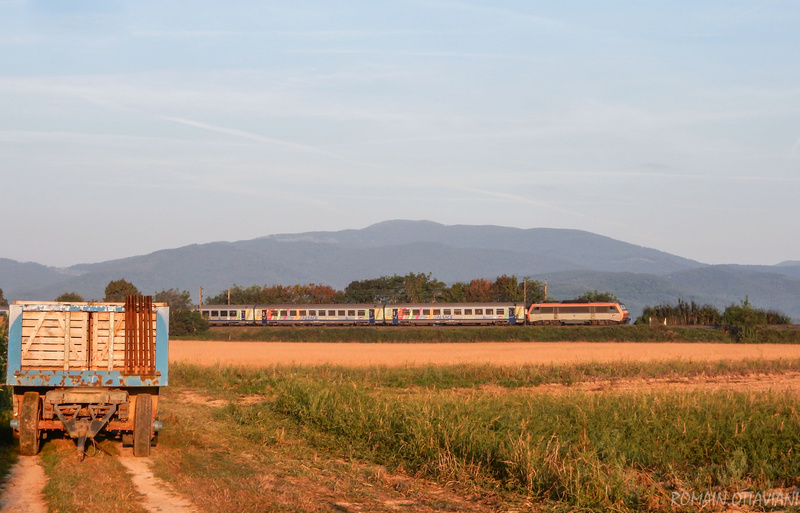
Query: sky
(128, 127)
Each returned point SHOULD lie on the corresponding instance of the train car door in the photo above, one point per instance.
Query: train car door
(395, 316)
(372, 316)
(512, 317)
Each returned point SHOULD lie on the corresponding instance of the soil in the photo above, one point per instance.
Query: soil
(22, 490)
(158, 496)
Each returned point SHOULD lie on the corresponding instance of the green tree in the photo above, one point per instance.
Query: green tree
(681, 314)
(70, 297)
(597, 297)
(420, 288)
(454, 293)
(117, 290)
(386, 289)
(277, 294)
(510, 288)
(535, 290)
(745, 315)
(3, 301)
(507, 288)
(238, 296)
(184, 319)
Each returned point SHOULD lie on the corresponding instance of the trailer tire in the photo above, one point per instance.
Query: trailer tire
(142, 425)
(29, 424)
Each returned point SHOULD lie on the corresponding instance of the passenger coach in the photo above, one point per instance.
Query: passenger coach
(407, 314)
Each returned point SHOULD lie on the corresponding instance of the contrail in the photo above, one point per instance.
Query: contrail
(247, 135)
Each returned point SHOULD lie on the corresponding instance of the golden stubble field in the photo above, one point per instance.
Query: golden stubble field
(261, 354)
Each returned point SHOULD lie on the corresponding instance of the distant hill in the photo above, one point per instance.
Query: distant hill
(572, 261)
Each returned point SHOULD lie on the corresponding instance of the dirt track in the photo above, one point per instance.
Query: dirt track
(260, 354)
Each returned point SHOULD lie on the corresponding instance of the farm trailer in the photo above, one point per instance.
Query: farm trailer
(83, 368)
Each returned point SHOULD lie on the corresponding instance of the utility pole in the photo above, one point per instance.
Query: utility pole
(525, 291)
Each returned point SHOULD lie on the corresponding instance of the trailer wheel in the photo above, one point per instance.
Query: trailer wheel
(29, 424)
(142, 425)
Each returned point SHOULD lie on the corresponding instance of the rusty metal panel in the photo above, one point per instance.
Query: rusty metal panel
(140, 346)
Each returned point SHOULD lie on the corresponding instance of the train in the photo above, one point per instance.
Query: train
(418, 314)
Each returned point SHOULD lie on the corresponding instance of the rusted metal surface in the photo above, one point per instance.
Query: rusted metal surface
(56, 378)
(140, 347)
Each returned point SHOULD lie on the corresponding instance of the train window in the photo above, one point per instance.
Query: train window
(303, 313)
(351, 313)
(437, 311)
(362, 313)
(489, 311)
(321, 313)
(457, 311)
(468, 311)
(426, 311)
(447, 311)
(214, 313)
(292, 313)
(416, 311)
(406, 312)
(341, 313)
(479, 311)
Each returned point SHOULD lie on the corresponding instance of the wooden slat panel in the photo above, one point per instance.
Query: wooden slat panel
(45, 336)
(90, 333)
(105, 357)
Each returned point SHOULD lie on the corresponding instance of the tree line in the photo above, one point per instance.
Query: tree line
(411, 288)
(683, 313)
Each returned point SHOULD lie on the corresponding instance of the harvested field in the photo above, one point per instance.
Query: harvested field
(261, 354)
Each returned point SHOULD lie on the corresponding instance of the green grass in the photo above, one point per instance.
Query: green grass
(572, 450)
(583, 450)
(491, 334)
(96, 484)
(234, 380)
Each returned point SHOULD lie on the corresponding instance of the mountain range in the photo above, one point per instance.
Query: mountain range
(571, 261)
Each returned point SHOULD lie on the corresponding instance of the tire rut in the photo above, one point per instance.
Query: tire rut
(159, 497)
(21, 492)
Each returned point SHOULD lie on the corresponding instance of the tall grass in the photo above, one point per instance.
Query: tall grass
(571, 450)
(592, 451)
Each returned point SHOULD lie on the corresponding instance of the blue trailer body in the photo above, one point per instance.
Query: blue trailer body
(87, 368)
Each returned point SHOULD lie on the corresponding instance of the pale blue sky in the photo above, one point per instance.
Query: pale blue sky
(129, 127)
